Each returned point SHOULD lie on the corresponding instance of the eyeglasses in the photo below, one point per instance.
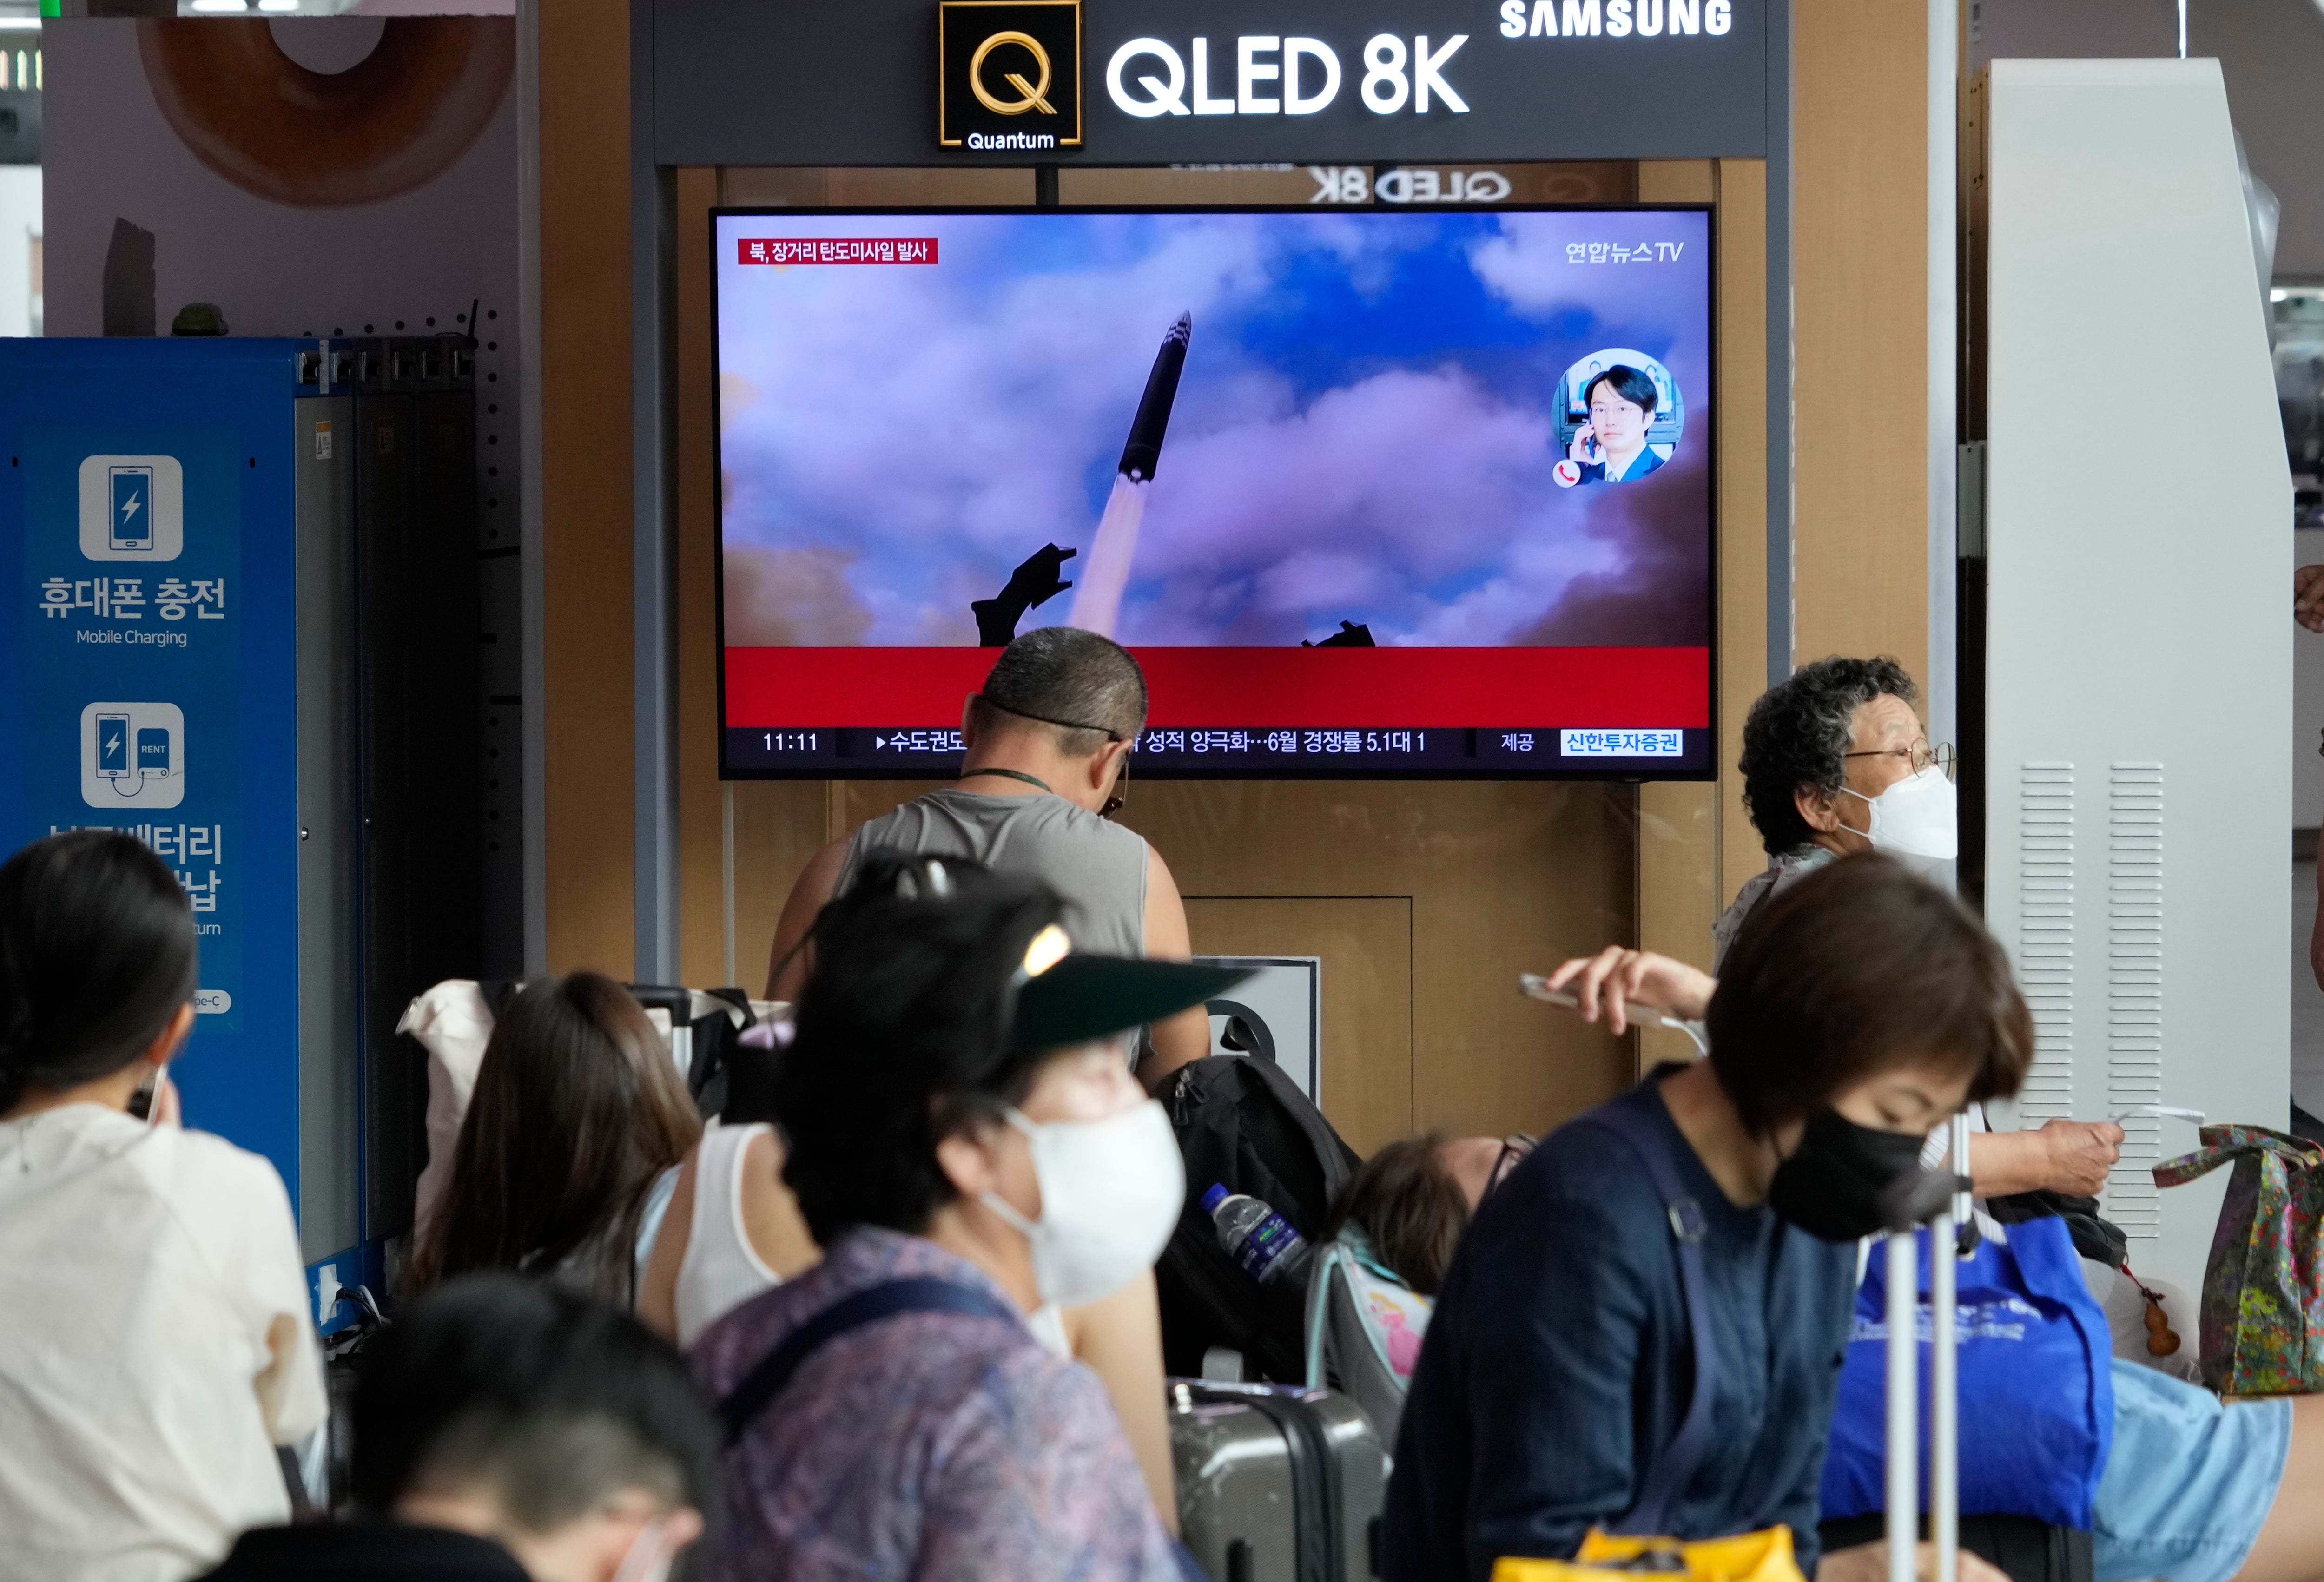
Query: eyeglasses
(1513, 1148)
(1919, 755)
(1115, 802)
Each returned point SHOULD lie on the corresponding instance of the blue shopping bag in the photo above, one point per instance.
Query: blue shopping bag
(2036, 1385)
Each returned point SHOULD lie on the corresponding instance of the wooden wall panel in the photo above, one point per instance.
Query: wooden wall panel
(1696, 845)
(1503, 878)
(1366, 945)
(585, 488)
(1859, 253)
(1742, 498)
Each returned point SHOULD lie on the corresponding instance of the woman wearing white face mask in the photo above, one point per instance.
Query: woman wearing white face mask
(966, 1143)
(1835, 761)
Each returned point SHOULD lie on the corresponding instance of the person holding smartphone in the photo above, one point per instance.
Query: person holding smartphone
(156, 1340)
(1611, 447)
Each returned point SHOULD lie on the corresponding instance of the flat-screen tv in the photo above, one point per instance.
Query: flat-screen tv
(1421, 492)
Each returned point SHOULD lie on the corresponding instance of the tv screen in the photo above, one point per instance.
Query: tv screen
(1370, 491)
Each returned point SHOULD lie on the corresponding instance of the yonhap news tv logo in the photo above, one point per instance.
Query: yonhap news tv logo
(1008, 74)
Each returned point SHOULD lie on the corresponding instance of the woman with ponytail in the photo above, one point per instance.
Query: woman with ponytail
(156, 1345)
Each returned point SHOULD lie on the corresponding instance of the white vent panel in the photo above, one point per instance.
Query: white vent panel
(2045, 935)
(2135, 987)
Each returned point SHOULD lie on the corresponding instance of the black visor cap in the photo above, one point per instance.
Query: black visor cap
(1085, 998)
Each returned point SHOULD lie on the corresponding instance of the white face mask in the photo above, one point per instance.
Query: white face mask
(1111, 1192)
(1915, 817)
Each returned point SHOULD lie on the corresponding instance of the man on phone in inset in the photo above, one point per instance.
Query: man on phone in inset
(1049, 742)
(1611, 447)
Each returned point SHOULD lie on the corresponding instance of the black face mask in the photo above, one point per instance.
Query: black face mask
(1843, 1180)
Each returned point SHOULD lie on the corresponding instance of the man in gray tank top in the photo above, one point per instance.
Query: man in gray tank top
(1047, 741)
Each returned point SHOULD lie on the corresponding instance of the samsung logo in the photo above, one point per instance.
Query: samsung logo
(1615, 19)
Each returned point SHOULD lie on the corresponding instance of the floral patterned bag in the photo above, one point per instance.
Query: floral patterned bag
(2263, 1288)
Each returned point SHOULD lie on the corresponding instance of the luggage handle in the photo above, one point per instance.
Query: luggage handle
(1904, 1440)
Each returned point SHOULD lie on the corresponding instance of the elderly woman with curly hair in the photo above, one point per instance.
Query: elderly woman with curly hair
(1836, 761)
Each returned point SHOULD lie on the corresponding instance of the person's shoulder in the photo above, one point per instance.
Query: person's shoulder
(857, 1261)
(228, 1172)
(1585, 1148)
(732, 1344)
(378, 1550)
(1590, 1167)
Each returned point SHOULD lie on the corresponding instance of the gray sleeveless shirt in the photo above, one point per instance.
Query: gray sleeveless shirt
(1099, 867)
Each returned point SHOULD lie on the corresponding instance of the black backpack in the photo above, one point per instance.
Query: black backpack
(1242, 1124)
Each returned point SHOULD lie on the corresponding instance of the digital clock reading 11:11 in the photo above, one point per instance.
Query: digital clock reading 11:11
(791, 741)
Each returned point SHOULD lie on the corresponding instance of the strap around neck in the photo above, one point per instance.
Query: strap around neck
(1033, 780)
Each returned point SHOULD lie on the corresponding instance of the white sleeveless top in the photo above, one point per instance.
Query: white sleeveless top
(721, 1270)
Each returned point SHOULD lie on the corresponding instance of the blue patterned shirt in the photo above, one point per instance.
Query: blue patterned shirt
(927, 1446)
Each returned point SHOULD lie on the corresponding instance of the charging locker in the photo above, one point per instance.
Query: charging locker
(241, 625)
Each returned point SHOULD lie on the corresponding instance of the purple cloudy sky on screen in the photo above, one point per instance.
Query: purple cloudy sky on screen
(1364, 430)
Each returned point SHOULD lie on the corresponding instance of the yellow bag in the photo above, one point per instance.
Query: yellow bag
(1749, 1556)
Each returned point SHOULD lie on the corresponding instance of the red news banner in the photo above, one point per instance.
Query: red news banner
(1397, 688)
(786, 250)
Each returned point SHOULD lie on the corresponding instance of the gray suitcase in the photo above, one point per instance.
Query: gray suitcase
(1277, 1483)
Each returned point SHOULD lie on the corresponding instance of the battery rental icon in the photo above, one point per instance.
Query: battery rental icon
(133, 753)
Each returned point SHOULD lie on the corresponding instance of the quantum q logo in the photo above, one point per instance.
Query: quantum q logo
(1008, 74)
(1032, 91)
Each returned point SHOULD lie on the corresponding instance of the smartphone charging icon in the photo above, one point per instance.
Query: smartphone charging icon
(132, 524)
(113, 746)
(132, 507)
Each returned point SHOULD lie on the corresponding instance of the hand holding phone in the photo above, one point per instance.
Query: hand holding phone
(156, 1103)
(1621, 1013)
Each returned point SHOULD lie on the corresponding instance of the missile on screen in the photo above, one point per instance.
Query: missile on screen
(1097, 602)
(1144, 451)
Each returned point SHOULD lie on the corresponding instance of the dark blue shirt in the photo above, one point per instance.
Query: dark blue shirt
(1649, 460)
(1559, 1362)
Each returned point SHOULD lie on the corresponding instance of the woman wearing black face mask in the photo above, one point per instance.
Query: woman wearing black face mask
(1862, 1007)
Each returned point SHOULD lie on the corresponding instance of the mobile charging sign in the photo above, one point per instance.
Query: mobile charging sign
(147, 667)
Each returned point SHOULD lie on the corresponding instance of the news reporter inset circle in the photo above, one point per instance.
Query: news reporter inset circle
(1619, 416)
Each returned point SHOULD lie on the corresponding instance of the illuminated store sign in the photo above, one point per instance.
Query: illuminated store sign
(1400, 82)
(1009, 75)
(1275, 75)
(1617, 18)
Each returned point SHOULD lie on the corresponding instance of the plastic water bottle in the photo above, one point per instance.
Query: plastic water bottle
(1256, 1236)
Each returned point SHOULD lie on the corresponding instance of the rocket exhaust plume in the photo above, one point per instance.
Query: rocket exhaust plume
(1097, 601)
